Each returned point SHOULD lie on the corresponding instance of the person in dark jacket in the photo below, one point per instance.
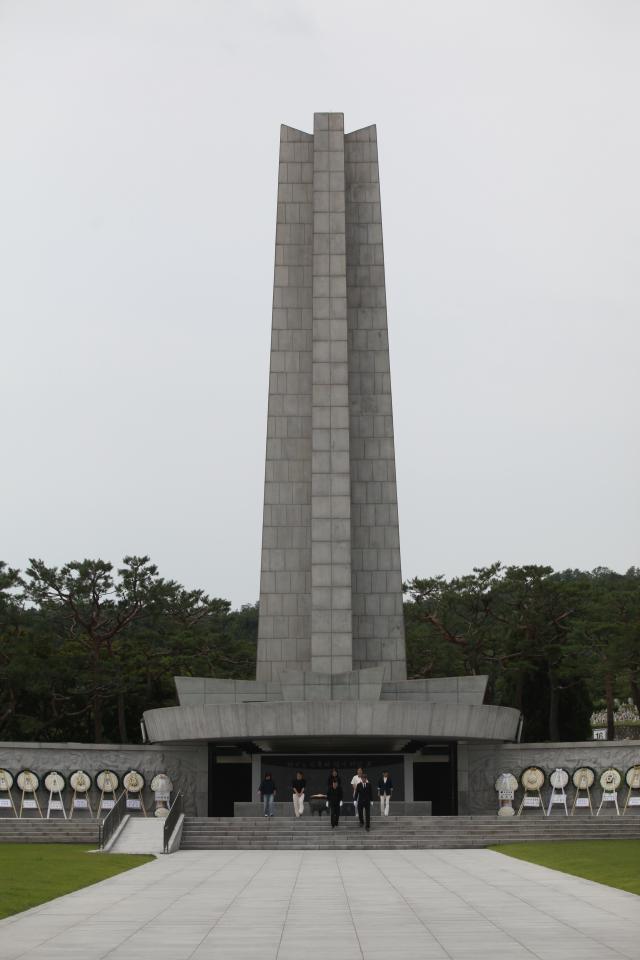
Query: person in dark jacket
(298, 786)
(333, 775)
(385, 789)
(334, 799)
(364, 796)
(267, 793)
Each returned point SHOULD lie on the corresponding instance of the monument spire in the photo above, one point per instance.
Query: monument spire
(331, 588)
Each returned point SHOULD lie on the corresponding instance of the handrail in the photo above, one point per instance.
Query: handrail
(112, 821)
(171, 819)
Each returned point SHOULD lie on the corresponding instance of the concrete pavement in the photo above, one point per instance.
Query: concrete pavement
(343, 905)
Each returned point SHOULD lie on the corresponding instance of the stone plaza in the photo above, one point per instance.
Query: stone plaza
(240, 905)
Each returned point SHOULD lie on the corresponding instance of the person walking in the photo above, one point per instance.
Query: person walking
(333, 775)
(355, 781)
(364, 796)
(334, 799)
(385, 789)
(267, 793)
(298, 786)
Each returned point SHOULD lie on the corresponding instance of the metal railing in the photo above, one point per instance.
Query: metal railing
(112, 821)
(171, 819)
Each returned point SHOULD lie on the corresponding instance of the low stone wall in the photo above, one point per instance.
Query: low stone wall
(185, 764)
(480, 764)
(478, 767)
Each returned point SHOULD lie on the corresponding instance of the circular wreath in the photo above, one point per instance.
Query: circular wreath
(6, 779)
(610, 779)
(559, 778)
(632, 777)
(532, 778)
(28, 781)
(133, 781)
(107, 781)
(54, 782)
(80, 781)
(583, 778)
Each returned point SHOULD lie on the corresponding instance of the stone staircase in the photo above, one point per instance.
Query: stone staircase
(13, 830)
(396, 833)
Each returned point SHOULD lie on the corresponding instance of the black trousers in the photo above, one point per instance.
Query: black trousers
(335, 814)
(364, 813)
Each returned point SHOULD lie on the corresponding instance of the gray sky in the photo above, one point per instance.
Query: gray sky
(137, 221)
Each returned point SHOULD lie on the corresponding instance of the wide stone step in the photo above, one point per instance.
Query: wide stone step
(399, 833)
(47, 831)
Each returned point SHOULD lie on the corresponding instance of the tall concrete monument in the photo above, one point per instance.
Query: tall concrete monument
(331, 589)
(331, 678)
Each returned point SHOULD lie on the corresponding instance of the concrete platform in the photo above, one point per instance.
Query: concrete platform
(401, 808)
(432, 905)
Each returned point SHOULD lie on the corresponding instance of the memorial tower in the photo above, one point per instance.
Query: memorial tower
(331, 588)
(331, 682)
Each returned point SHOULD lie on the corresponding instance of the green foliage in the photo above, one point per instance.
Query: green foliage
(33, 873)
(85, 649)
(549, 642)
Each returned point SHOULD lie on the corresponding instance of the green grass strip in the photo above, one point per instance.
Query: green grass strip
(33, 873)
(615, 863)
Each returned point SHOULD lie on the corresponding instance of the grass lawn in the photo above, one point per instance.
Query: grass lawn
(614, 862)
(35, 872)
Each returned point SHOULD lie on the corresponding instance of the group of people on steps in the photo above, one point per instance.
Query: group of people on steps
(362, 792)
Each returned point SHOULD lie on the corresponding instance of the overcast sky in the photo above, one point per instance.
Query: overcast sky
(138, 175)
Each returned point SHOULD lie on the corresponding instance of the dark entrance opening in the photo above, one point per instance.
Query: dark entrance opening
(229, 780)
(435, 779)
(316, 769)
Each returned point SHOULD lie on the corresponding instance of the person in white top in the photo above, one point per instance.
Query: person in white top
(355, 780)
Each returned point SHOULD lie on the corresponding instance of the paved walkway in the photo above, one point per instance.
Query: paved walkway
(347, 905)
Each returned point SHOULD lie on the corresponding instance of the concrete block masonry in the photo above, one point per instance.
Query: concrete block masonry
(330, 504)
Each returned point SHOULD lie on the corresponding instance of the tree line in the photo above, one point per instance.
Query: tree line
(554, 644)
(86, 648)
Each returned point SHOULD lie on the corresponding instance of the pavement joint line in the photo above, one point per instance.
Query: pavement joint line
(564, 923)
(420, 920)
(344, 887)
(447, 884)
(234, 855)
(229, 905)
(293, 890)
(443, 883)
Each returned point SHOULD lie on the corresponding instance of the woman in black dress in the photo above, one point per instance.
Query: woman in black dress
(334, 799)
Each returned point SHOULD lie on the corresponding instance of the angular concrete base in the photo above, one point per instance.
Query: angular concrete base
(332, 720)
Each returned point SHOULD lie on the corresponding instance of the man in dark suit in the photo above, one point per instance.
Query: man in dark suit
(364, 798)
